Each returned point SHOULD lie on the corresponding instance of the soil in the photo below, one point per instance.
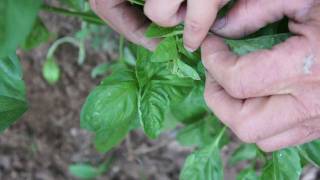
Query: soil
(47, 139)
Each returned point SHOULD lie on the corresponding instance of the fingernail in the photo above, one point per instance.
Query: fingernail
(219, 24)
(189, 48)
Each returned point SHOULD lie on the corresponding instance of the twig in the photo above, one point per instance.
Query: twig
(152, 149)
(84, 15)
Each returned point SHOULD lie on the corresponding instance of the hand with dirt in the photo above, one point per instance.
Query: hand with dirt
(124, 18)
(269, 97)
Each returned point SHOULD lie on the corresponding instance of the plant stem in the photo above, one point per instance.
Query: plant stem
(121, 48)
(72, 41)
(85, 16)
(218, 137)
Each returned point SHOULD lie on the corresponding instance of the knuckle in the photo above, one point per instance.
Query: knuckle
(206, 53)
(245, 133)
(223, 116)
(206, 61)
(207, 96)
(193, 25)
(156, 15)
(308, 130)
(206, 43)
(149, 12)
(237, 89)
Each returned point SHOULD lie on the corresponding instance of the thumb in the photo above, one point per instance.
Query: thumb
(248, 16)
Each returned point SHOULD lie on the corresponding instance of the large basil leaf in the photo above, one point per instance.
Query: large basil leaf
(158, 89)
(166, 51)
(243, 152)
(12, 91)
(154, 103)
(111, 109)
(202, 133)
(38, 35)
(16, 20)
(184, 112)
(205, 163)
(284, 165)
(311, 152)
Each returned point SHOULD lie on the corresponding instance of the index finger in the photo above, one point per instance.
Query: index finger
(199, 18)
(121, 16)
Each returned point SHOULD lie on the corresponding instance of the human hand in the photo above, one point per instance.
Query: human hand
(269, 97)
(198, 17)
(125, 19)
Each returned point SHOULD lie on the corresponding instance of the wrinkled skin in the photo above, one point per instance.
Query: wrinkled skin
(198, 16)
(269, 97)
(121, 16)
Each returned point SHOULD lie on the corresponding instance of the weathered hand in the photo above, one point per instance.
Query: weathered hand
(125, 19)
(270, 97)
(198, 16)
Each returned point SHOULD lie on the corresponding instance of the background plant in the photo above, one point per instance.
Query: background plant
(155, 91)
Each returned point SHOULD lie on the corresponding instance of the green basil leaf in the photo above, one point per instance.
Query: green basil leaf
(159, 88)
(145, 69)
(185, 113)
(284, 165)
(74, 4)
(243, 152)
(183, 70)
(242, 47)
(51, 71)
(38, 35)
(84, 171)
(193, 56)
(111, 109)
(205, 163)
(247, 174)
(310, 152)
(202, 133)
(154, 103)
(12, 91)
(16, 21)
(166, 51)
(100, 70)
(153, 106)
(155, 31)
